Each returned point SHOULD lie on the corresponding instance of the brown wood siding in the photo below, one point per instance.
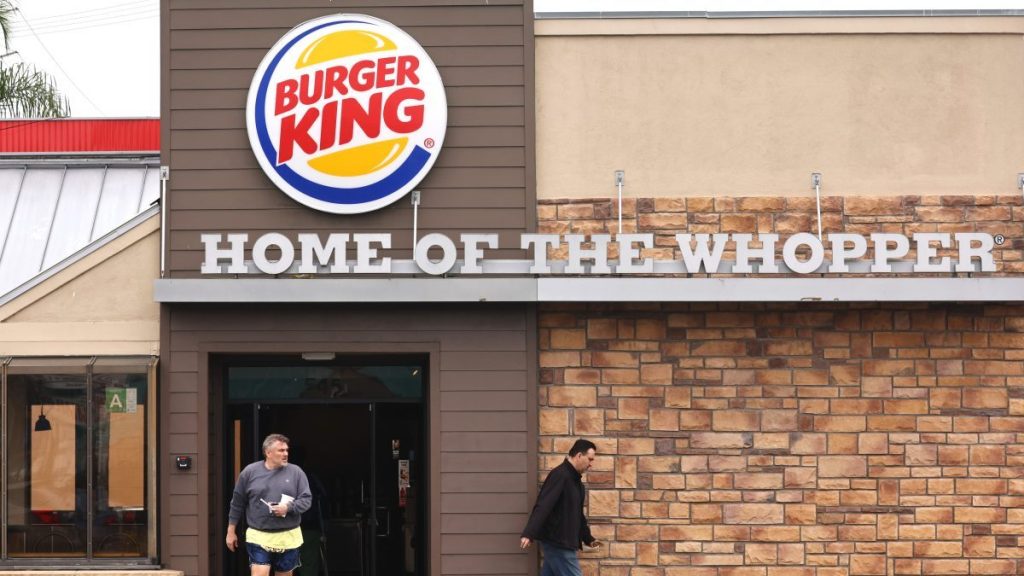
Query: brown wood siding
(481, 409)
(484, 174)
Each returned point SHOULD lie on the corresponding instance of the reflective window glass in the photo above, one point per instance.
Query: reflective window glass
(247, 383)
(78, 477)
(46, 465)
(119, 440)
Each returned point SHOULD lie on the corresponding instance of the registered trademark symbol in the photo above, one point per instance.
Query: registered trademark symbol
(999, 238)
(429, 142)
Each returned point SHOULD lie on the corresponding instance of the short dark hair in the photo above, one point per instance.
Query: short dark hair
(581, 446)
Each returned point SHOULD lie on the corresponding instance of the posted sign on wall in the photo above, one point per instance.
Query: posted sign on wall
(346, 113)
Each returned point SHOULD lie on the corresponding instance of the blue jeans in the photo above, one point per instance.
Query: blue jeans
(281, 561)
(559, 561)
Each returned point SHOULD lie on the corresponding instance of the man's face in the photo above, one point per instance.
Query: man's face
(583, 461)
(277, 455)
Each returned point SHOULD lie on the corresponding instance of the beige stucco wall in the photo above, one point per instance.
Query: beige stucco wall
(886, 106)
(100, 305)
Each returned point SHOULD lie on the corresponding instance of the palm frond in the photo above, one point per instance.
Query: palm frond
(6, 13)
(28, 93)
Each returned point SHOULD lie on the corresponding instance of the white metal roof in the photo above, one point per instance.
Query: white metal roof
(53, 208)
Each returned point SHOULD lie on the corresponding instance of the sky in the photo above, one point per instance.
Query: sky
(770, 5)
(105, 54)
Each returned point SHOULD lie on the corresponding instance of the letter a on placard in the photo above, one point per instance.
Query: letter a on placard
(115, 400)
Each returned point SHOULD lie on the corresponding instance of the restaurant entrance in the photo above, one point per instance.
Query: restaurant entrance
(357, 431)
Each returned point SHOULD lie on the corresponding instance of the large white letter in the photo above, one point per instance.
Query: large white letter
(711, 259)
(629, 253)
(213, 255)
(472, 252)
(766, 253)
(794, 263)
(448, 254)
(967, 252)
(365, 253)
(315, 254)
(925, 252)
(840, 254)
(282, 243)
(882, 252)
(540, 243)
(599, 254)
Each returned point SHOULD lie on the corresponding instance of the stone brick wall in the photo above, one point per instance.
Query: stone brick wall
(792, 440)
(666, 217)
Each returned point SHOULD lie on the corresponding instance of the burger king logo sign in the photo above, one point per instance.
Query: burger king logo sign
(346, 113)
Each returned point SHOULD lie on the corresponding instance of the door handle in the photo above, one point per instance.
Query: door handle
(386, 522)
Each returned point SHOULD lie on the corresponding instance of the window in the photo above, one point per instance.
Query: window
(77, 473)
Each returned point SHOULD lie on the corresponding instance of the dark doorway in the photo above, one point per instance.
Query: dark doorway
(363, 456)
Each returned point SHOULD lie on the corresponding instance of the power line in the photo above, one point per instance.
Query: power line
(93, 17)
(94, 12)
(68, 76)
(87, 21)
(19, 31)
(21, 124)
(83, 18)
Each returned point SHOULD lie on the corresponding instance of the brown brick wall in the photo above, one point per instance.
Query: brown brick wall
(792, 440)
(665, 217)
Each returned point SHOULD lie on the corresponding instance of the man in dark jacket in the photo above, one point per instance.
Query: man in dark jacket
(557, 520)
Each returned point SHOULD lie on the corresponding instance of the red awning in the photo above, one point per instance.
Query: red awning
(79, 135)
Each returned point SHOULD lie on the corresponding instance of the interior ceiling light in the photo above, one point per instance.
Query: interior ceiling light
(42, 424)
(317, 356)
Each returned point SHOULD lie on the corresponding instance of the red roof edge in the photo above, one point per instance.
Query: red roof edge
(79, 135)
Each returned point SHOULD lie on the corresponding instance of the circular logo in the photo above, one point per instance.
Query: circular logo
(346, 113)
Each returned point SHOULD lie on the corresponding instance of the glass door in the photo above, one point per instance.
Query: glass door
(398, 488)
(357, 432)
(365, 469)
(331, 443)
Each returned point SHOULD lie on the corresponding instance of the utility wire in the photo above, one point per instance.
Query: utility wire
(70, 22)
(69, 28)
(68, 76)
(91, 12)
(86, 21)
(99, 16)
(21, 124)
(91, 17)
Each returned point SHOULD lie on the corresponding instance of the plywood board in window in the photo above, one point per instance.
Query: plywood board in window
(53, 459)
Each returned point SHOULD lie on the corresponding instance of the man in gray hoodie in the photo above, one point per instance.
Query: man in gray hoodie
(272, 494)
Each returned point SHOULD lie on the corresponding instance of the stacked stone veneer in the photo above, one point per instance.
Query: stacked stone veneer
(665, 217)
(792, 439)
